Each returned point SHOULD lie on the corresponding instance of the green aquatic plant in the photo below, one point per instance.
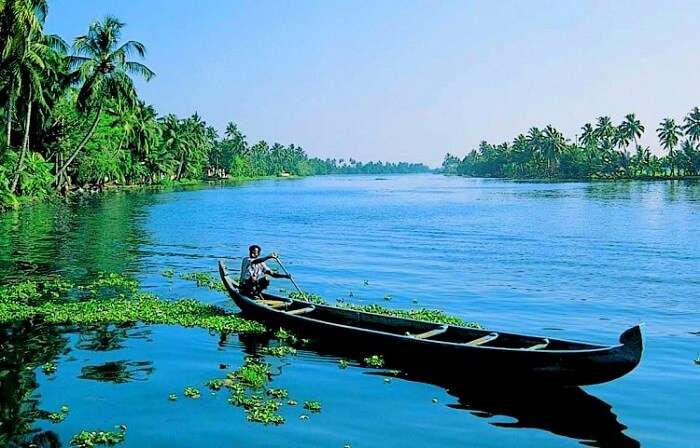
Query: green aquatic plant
(313, 406)
(134, 308)
(264, 411)
(89, 439)
(376, 361)
(247, 389)
(168, 273)
(422, 314)
(205, 280)
(172, 397)
(253, 373)
(56, 417)
(342, 363)
(279, 351)
(292, 402)
(697, 360)
(215, 384)
(307, 297)
(111, 284)
(278, 393)
(286, 336)
(192, 392)
(49, 368)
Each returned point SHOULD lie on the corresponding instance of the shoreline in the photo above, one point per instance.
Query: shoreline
(580, 179)
(87, 191)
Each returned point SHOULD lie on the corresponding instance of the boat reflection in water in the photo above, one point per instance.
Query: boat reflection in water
(565, 411)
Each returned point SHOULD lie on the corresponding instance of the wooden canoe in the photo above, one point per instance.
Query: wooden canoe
(476, 354)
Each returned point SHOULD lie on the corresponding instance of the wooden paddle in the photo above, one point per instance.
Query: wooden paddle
(303, 294)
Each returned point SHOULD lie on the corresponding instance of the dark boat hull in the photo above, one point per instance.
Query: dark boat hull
(590, 365)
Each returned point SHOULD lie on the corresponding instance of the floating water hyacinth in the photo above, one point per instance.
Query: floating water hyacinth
(278, 393)
(313, 406)
(89, 439)
(279, 351)
(204, 279)
(374, 361)
(49, 368)
(192, 392)
(111, 299)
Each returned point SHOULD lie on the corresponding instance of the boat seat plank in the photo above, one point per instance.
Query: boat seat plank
(541, 345)
(274, 303)
(483, 340)
(431, 333)
(308, 309)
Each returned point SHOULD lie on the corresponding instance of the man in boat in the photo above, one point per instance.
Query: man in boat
(254, 272)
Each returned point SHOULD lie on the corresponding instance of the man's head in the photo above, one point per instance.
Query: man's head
(254, 251)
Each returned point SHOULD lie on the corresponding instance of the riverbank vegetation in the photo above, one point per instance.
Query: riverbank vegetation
(72, 118)
(602, 151)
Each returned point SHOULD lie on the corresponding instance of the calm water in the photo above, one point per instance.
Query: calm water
(578, 260)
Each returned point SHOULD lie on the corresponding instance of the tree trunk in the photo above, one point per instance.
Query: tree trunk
(9, 113)
(25, 147)
(60, 173)
(179, 168)
(673, 165)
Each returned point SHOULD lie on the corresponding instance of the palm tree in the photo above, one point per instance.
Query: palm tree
(605, 131)
(554, 145)
(104, 70)
(19, 19)
(669, 133)
(174, 140)
(691, 125)
(28, 71)
(630, 130)
(641, 159)
(588, 135)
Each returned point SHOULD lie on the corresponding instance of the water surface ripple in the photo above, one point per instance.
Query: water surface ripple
(575, 260)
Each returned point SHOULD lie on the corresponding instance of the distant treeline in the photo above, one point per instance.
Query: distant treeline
(603, 151)
(72, 117)
(333, 166)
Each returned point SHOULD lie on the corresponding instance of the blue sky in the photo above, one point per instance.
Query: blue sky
(408, 80)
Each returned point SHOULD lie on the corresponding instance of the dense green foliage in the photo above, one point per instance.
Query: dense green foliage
(603, 151)
(72, 118)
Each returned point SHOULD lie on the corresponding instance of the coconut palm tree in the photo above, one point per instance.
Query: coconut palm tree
(19, 19)
(28, 72)
(588, 135)
(605, 131)
(554, 145)
(669, 133)
(629, 131)
(691, 125)
(103, 67)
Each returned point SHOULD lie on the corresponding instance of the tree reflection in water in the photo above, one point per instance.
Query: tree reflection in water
(24, 346)
(103, 338)
(118, 371)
